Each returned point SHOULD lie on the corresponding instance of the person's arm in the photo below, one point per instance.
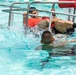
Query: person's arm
(73, 40)
(63, 43)
(58, 45)
(24, 17)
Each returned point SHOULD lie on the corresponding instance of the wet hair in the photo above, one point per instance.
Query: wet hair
(46, 37)
(32, 9)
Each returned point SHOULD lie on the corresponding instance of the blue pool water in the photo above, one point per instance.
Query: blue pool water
(17, 50)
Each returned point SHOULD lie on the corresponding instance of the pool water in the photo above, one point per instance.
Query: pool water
(17, 50)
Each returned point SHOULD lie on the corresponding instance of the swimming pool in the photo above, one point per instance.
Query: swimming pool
(18, 55)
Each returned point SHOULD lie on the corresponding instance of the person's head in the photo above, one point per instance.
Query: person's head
(47, 37)
(34, 11)
(44, 24)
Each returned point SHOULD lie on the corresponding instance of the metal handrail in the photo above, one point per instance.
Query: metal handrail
(29, 3)
(60, 2)
(10, 12)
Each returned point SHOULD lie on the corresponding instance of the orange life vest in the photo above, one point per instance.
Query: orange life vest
(34, 21)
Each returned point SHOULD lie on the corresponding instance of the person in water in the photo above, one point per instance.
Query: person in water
(57, 25)
(54, 47)
(49, 42)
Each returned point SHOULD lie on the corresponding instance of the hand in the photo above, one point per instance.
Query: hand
(52, 9)
(53, 13)
(24, 14)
